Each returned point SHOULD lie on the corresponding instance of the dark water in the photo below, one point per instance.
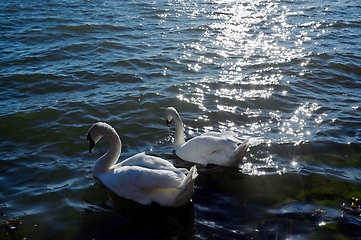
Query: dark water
(286, 73)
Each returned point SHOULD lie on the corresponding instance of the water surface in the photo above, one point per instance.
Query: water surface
(285, 73)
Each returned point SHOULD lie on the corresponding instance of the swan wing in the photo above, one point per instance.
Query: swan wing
(151, 162)
(210, 148)
(147, 161)
(141, 184)
(225, 134)
(146, 179)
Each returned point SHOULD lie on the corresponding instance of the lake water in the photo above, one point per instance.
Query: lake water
(285, 73)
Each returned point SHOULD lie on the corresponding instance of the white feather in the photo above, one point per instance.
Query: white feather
(142, 178)
(209, 148)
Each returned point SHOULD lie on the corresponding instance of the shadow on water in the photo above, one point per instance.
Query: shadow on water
(97, 213)
(227, 204)
(112, 217)
(232, 205)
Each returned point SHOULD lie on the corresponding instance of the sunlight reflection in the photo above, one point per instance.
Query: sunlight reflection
(253, 32)
(228, 126)
(264, 166)
(296, 124)
(231, 109)
(182, 98)
(282, 171)
(195, 95)
(196, 67)
(245, 43)
(322, 224)
(235, 94)
(208, 128)
(249, 168)
(203, 118)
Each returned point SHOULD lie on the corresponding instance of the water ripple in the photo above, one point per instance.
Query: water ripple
(286, 74)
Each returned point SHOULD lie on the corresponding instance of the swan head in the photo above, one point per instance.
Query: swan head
(91, 142)
(169, 113)
(95, 133)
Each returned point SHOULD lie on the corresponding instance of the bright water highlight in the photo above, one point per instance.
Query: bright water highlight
(285, 73)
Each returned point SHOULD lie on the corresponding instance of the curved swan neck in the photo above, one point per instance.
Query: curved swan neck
(105, 162)
(179, 130)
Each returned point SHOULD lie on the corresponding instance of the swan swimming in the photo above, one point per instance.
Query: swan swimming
(209, 148)
(141, 178)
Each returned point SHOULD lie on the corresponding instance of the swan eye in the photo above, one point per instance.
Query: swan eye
(91, 142)
(168, 123)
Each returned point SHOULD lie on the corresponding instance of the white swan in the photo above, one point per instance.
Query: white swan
(141, 178)
(209, 148)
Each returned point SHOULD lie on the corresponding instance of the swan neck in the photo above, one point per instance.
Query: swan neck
(107, 161)
(179, 131)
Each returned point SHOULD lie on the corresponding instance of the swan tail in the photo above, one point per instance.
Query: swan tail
(238, 154)
(186, 189)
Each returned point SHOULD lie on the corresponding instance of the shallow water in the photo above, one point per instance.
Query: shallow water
(285, 73)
